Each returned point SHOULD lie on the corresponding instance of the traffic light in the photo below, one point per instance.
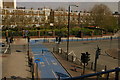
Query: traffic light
(85, 57)
(98, 52)
(28, 39)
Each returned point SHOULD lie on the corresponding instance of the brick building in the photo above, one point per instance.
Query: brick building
(8, 4)
(12, 16)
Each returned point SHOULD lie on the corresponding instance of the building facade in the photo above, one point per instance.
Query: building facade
(30, 17)
(8, 4)
(1, 4)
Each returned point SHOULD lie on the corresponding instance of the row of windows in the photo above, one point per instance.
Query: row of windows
(26, 11)
(42, 18)
(63, 17)
(22, 12)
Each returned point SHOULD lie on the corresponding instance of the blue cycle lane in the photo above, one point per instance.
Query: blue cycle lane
(48, 65)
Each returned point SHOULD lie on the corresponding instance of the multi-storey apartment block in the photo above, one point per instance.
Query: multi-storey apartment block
(22, 17)
(8, 4)
(30, 17)
(12, 16)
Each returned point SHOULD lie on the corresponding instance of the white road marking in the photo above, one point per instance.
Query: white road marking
(54, 74)
(42, 63)
(38, 54)
(46, 60)
(53, 62)
(6, 49)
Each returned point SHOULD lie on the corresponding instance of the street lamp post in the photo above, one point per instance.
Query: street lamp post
(69, 29)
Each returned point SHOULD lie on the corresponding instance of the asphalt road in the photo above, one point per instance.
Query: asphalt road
(87, 46)
(48, 66)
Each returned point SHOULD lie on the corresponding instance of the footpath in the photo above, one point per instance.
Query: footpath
(15, 63)
(73, 69)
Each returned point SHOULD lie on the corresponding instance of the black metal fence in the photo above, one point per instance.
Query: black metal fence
(97, 76)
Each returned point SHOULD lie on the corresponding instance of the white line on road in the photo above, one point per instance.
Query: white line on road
(42, 64)
(54, 74)
(53, 62)
(46, 60)
(6, 49)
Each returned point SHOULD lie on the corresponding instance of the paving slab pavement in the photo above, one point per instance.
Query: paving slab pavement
(16, 64)
(69, 66)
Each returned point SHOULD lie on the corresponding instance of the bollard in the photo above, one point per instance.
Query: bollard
(105, 68)
(75, 68)
(5, 78)
(105, 75)
(28, 55)
(117, 75)
(61, 51)
(53, 49)
(91, 65)
(58, 77)
(98, 76)
(72, 58)
(32, 70)
(67, 56)
(107, 78)
(42, 51)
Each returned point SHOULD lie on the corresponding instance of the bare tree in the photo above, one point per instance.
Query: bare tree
(103, 17)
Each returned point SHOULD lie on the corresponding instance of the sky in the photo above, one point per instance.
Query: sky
(54, 5)
(67, 0)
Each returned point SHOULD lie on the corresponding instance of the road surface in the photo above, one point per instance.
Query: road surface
(87, 46)
(48, 66)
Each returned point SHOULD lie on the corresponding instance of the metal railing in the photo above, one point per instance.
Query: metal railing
(97, 75)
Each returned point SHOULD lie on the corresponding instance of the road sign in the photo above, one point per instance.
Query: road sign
(37, 60)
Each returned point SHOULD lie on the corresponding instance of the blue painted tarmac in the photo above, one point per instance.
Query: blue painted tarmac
(48, 66)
